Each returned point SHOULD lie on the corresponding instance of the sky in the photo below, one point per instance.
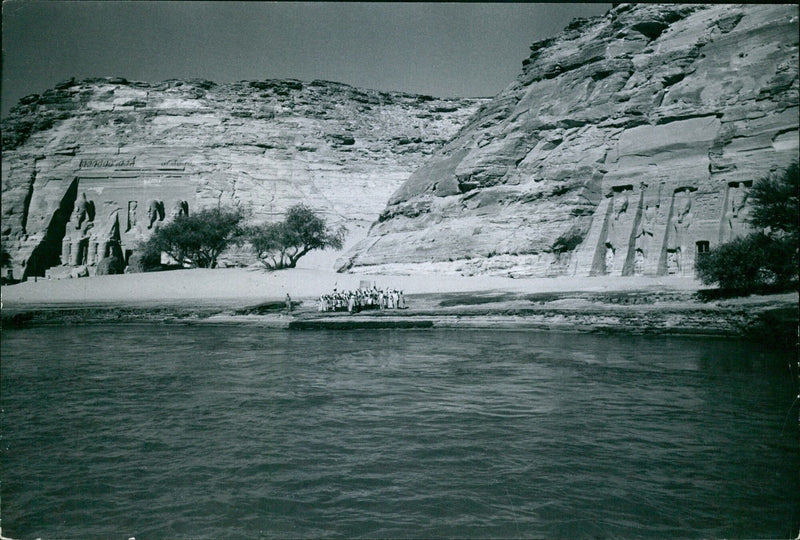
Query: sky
(439, 49)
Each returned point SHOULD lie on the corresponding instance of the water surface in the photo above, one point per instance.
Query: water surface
(179, 431)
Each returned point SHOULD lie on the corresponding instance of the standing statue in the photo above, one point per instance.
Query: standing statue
(681, 219)
(615, 232)
(735, 217)
(609, 260)
(644, 235)
(638, 263)
(619, 206)
(132, 207)
(620, 203)
(674, 261)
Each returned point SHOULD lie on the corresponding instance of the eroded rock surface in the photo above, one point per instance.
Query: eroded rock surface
(626, 146)
(92, 167)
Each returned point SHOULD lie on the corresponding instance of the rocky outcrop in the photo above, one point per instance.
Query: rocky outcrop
(626, 146)
(92, 167)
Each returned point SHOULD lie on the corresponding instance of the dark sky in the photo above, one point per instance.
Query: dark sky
(442, 49)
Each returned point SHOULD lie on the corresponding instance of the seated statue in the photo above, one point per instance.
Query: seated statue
(181, 208)
(155, 212)
(84, 211)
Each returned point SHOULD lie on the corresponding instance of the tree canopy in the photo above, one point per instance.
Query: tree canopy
(281, 245)
(199, 238)
(775, 202)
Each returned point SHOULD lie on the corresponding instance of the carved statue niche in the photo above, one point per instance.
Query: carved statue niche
(155, 212)
(674, 261)
(615, 231)
(132, 207)
(609, 258)
(638, 262)
(619, 206)
(621, 202)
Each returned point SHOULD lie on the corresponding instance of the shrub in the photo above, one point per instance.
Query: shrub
(145, 258)
(735, 265)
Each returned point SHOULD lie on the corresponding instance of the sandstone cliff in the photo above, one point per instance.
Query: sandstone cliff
(626, 146)
(94, 164)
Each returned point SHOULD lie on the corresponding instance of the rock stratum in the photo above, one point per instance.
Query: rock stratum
(92, 167)
(626, 146)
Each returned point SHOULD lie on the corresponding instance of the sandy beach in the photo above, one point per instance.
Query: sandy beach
(242, 285)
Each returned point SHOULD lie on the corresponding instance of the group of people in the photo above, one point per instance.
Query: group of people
(362, 299)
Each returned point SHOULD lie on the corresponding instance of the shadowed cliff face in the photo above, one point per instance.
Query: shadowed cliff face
(140, 153)
(625, 147)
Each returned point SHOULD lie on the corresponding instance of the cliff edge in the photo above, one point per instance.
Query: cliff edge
(625, 147)
(94, 164)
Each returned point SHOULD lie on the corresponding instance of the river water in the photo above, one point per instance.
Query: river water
(209, 431)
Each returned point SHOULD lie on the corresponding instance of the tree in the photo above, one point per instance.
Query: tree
(768, 257)
(775, 202)
(198, 238)
(280, 245)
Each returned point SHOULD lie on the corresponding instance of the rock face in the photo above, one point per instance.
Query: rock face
(626, 146)
(92, 167)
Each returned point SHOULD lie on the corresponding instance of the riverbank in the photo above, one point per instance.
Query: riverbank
(242, 296)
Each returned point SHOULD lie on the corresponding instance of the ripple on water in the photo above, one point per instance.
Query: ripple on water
(168, 431)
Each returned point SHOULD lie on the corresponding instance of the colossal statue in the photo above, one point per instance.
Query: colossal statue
(181, 208)
(75, 248)
(84, 211)
(155, 212)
